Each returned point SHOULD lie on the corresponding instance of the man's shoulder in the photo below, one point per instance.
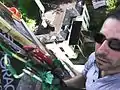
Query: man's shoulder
(91, 58)
(89, 63)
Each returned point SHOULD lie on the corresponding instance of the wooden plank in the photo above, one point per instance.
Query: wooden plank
(7, 28)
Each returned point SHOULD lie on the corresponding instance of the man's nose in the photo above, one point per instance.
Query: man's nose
(104, 47)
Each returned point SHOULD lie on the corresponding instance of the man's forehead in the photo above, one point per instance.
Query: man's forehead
(111, 28)
(111, 25)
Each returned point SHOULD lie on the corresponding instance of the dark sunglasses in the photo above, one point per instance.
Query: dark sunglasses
(113, 43)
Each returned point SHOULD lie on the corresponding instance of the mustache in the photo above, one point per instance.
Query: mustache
(101, 55)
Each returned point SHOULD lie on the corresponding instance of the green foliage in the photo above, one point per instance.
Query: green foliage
(7, 0)
(99, 15)
(31, 23)
(111, 5)
(30, 12)
(29, 8)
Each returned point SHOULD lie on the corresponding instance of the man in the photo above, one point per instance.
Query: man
(102, 70)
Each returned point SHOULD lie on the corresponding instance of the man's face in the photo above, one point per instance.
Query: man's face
(107, 58)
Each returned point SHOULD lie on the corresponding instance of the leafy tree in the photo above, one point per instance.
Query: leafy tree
(112, 4)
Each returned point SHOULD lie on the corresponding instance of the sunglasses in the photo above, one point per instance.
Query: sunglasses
(113, 43)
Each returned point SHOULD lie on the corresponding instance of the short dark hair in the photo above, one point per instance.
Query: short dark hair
(114, 14)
